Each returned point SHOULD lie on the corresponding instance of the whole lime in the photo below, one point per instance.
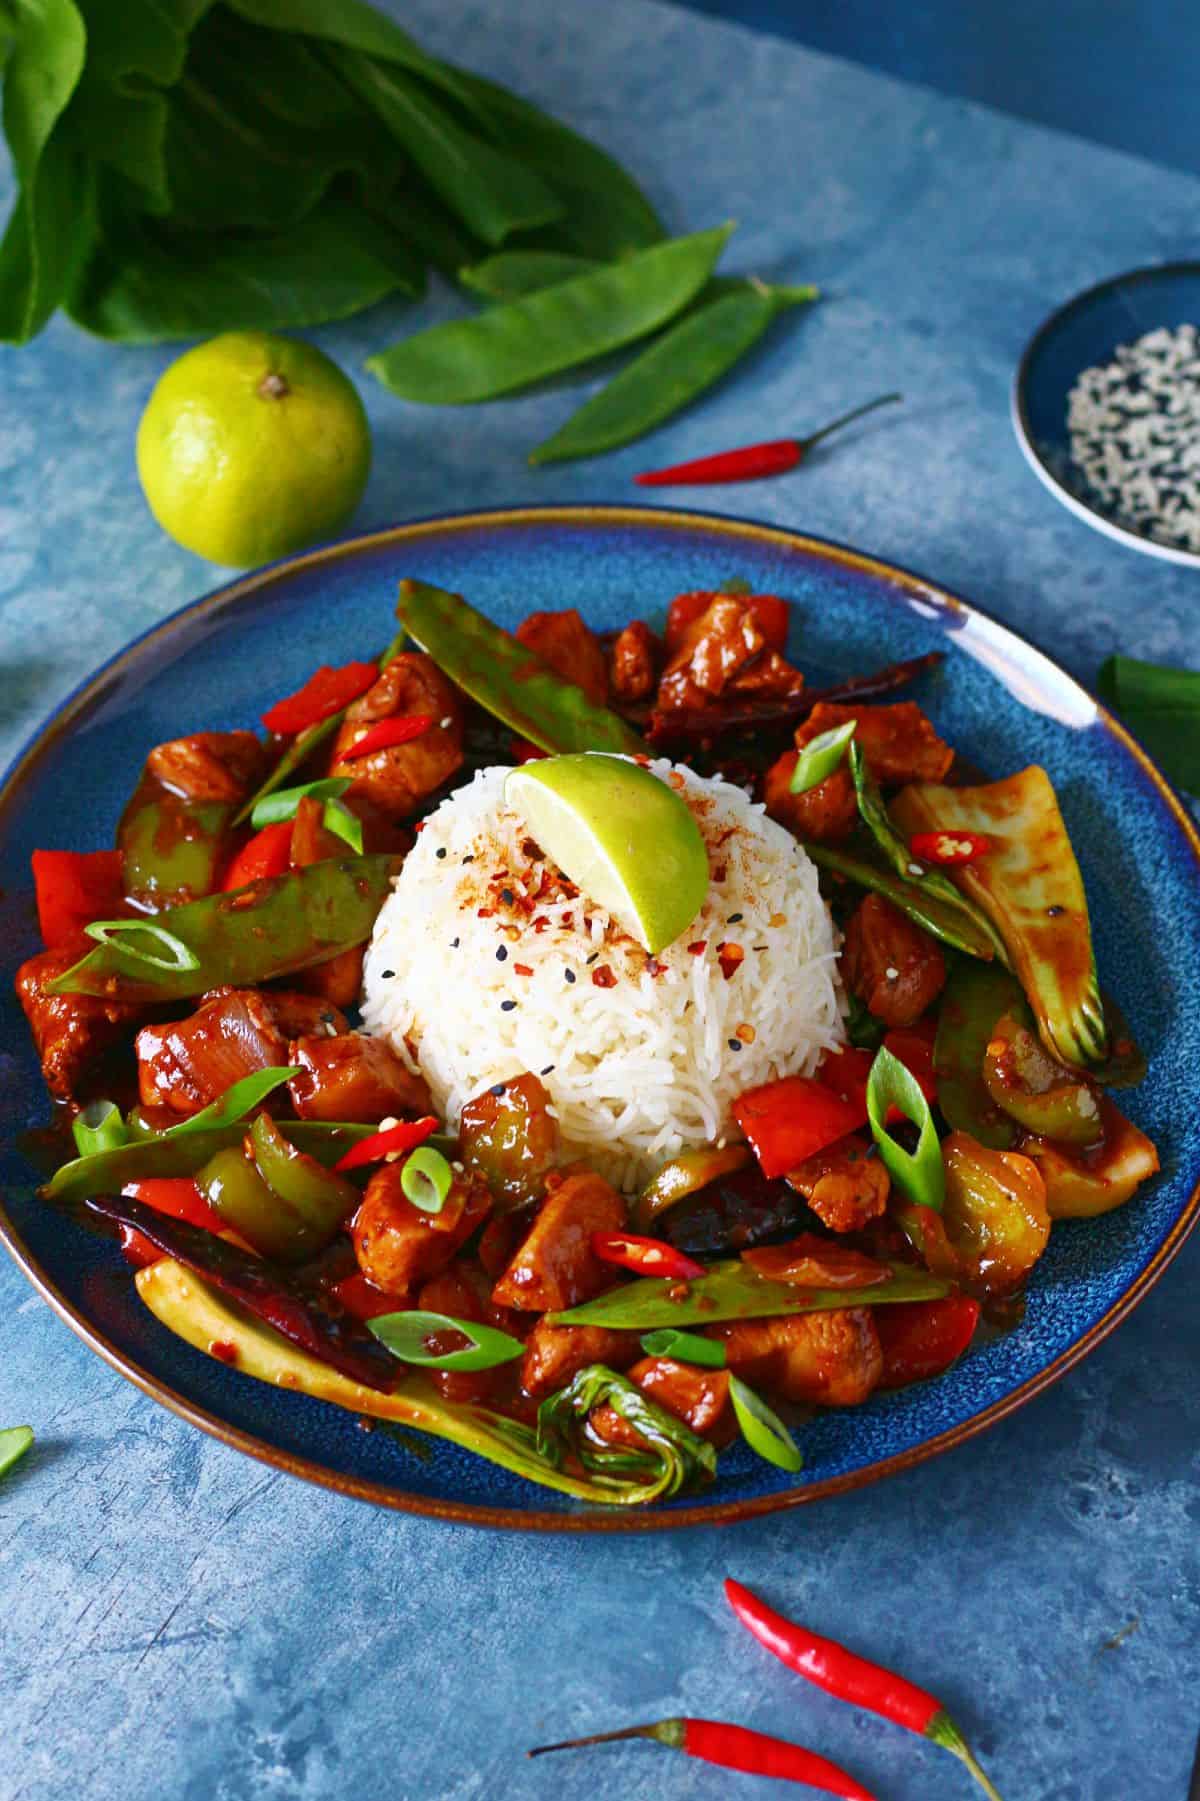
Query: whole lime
(252, 446)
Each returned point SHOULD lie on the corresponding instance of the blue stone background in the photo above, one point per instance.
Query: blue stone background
(180, 1622)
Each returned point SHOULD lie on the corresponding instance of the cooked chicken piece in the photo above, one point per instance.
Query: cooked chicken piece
(398, 779)
(636, 656)
(724, 650)
(699, 1397)
(846, 1185)
(461, 1291)
(896, 969)
(69, 1030)
(210, 766)
(554, 1355)
(569, 647)
(824, 814)
(189, 1062)
(397, 1245)
(353, 1077)
(771, 615)
(898, 741)
(832, 1359)
(337, 981)
(556, 1266)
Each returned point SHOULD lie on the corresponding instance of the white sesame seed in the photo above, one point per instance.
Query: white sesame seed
(446, 723)
(892, 975)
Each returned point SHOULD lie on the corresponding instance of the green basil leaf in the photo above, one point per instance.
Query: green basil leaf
(762, 1429)
(98, 1127)
(919, 1174)
(14, 1442)
(236, 1102)
(281, 804)
(406, 1336)
(685, 1347)
(1162, 707)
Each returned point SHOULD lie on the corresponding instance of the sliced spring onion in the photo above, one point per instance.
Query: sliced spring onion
(14, 1442)
(821, 756)
(407, 1335)
(685, 1347)
(919, 1175)
(272, 809)
(762, 1429)
(117, 933)
(98, 1127)
(338, 819)
(238, 1100)
(427, 1179)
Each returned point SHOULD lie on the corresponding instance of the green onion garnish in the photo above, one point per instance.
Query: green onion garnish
(427, 1179)
(919, 1175)
(272, 809)
(407, 1336)
(821, 756)
(117, 933)
(338, 818)
(762, 1429)
(98, 1127)
(684, 1347)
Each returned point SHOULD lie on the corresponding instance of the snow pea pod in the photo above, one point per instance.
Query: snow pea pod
(674, 370)
(864, 865)
(183, 1153)
(735, 1291)
(247, 936)
(511, 274)
(506, 679)
(509, 347)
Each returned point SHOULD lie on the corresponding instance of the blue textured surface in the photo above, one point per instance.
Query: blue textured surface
(180, 1622)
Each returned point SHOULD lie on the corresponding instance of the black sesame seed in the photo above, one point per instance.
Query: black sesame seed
(735, 1044)
(592, 958)
(1054, 912)
(507, 1006)
(496, 1088)
(733, 918)
(569, 975)
(547, 1069)
(506, 895)
(468, 859)
(440, 853)
(454, 944)
(501, 953)
(387, 975)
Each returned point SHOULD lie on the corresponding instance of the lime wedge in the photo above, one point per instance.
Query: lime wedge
(624, 838)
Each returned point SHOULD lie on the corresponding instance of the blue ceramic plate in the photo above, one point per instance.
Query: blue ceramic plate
(1081, 335)
(997, 700)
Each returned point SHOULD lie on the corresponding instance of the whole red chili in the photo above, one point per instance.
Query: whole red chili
(325, 693)
(405, 1136)
(774, 457)
(851, 1678)
(949, 848)
(387, 733)
(648, 1256)
(734, 1748)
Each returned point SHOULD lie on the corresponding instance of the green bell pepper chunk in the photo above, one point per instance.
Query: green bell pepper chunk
(1041, 1094)
(171, 848)
(321, 1198)
(234, 1188)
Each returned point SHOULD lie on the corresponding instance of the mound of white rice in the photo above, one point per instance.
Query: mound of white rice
(485, 962)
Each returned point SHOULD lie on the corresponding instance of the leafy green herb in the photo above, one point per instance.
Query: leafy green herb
(98, 1127)
(685, 1347)
(506, 679)
(762, 1429)
(426, 1179)
(675, 1459)
(1162, 706)
(273, 809)
(407, 1336)
(14, 1442)
(820, 757)
(509, 347)
(919, 1174)
(732, 1290)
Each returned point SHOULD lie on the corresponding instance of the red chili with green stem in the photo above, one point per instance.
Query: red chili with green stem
(751, 461)
(734, 1748)
(852, 1678)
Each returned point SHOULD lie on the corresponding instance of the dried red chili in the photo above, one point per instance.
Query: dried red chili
(734, 1748)
(325, 693)
(949, 848)
(851, 1678)
(386, 734)
(751, 461)
(648, 1256)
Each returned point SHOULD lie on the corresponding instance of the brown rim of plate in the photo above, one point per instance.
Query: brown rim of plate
(618, 1519)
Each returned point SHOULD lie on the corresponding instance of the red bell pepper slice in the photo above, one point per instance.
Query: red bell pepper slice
(791, 1120)
(176, 1196)
(387, 733)
(949, 848)
(403, 1137)
(325, 693)
(73, 888)
(648, 1256)
(846, 1071)
(920, 1339)
(268, 853)
(769, 612)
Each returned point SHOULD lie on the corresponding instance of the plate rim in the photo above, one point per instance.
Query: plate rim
(830, 551)
(1019, 414)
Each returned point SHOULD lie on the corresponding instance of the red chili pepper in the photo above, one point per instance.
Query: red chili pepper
(921, 1339)
(325, 692)
(268, 853)
(734, 1748)
(73, 888)
(949, 848)
(791, 1120)
(773, 457)
(648, 1256)
(851, 1678)
(403, 1137)
(177, 1197)
(387, 733)
(769, 612)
